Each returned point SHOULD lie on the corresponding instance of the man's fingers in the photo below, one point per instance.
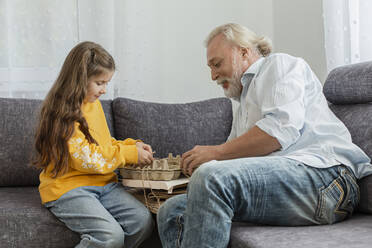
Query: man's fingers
(184, 164)
(188, 162)
(192, 166)
(187, 154)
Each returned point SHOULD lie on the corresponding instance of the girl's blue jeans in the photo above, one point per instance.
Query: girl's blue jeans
(106, 216)
(264, 190)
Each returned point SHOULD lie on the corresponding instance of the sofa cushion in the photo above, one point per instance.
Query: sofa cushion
(17, 129)
(349, 89)
(365, 204)
(17, 125)
(107, 109)
(349, 84)
(26, 223)
(173, 128)
(354, 232)
(356, 118)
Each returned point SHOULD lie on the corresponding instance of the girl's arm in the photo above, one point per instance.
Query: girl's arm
(92, 158)
(144, 150)
(128, 141)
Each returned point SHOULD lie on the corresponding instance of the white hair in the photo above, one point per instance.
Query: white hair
(243, 37)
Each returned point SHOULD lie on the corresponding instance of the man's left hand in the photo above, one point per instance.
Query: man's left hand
(197, 156)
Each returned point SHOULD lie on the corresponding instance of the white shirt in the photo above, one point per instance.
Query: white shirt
(283, 97)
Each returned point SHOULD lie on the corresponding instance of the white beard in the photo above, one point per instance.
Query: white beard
(235, 87)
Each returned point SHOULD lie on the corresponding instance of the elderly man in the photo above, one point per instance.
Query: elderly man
(288, 159)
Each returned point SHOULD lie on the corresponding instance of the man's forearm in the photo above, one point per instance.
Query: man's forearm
(254, 142)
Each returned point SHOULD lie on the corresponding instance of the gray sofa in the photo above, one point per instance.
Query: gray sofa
(175, 128)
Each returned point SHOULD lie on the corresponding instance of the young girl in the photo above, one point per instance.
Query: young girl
(78, 156)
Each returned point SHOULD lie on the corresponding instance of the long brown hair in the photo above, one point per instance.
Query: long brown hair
(62, 105)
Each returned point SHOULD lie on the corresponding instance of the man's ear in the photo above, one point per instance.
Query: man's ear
(244, 52)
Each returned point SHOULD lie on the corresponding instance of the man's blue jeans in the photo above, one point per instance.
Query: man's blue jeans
(263, 190)
(106, 216)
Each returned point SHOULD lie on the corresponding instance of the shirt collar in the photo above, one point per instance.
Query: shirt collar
(251, 71)
(247, 77)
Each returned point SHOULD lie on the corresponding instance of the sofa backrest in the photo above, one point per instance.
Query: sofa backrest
(173, 128)
(349, 92)
(17, 128)
(107, 108)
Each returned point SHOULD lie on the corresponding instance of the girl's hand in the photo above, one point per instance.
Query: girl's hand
(144, 154)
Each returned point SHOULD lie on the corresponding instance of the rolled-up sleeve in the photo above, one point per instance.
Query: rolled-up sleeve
(282, 101)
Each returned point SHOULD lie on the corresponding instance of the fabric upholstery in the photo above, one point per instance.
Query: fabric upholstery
(173, 128)
(107, 109)
(349, 89)
(17, 125)
(365, 204)
(356, 118)
(26, 223)
(355, 232)
(168, 128)
(350, 84)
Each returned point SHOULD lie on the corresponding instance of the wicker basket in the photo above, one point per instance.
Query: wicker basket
(145, 174)
(153, 199)
(160, 170)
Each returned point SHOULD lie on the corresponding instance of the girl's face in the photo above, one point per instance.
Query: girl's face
(97, 85)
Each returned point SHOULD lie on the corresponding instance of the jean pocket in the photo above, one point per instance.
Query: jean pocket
(338, 200)
(353, 191)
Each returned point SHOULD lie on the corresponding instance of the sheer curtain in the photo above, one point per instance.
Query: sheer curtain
(348, 36)
(157, 45)
(147, 38)
(38, 34)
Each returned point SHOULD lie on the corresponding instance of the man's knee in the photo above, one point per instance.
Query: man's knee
(165, 210)
(207, 175)
(172, 207)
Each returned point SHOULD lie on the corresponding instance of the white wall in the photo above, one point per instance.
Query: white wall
(164, 58)
(299, 31)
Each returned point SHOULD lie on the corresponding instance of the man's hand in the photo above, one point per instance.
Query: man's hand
(197, 156)
(144, 154)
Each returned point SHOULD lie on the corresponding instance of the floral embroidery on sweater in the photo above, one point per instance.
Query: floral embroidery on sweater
(90, 160)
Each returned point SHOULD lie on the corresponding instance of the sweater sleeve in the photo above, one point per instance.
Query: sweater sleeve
(128, 141)
(101, 159)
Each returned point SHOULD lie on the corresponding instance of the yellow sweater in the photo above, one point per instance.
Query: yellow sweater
(89, 164)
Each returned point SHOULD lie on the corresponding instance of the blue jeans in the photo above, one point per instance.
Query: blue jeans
(263, 190)
(106, 216)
